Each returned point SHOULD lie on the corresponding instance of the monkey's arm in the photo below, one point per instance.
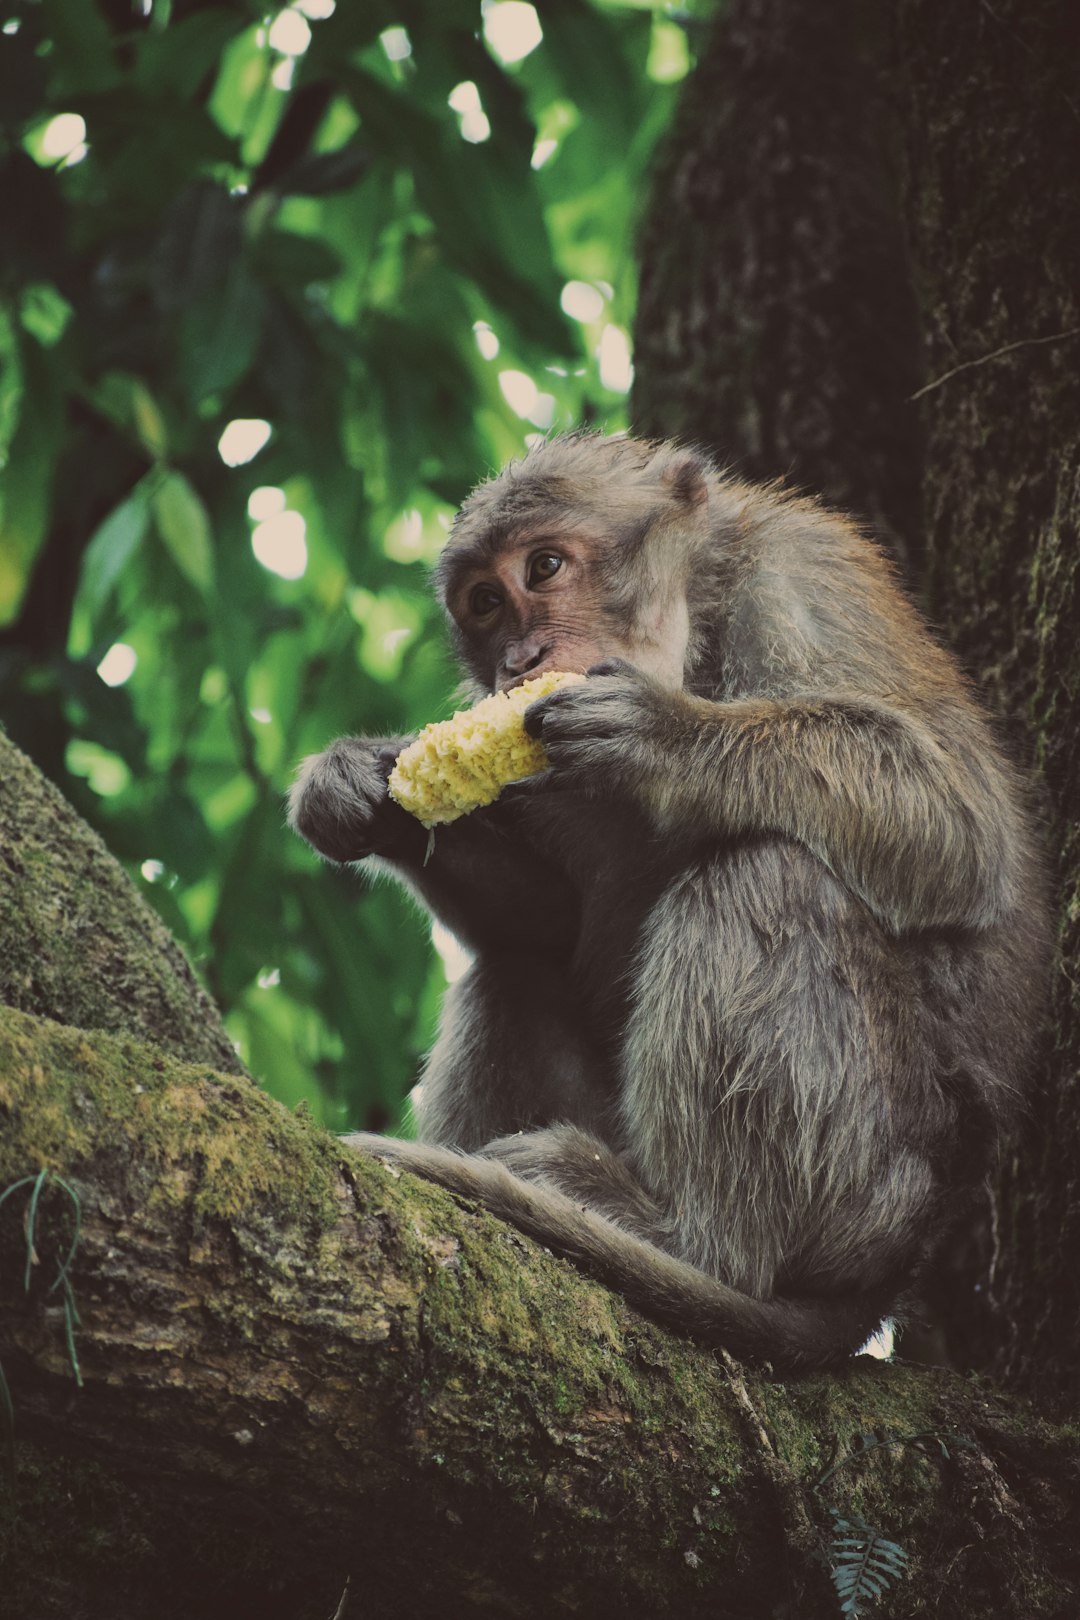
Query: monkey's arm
(925, 832)
(488, 886)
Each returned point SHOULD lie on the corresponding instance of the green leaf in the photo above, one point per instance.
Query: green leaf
(111, 549)
(181, 57)
(81, 56)
(293, 261)
(148, 420)
(45, 313)
(26, 482)
(128, 402)
(199, 240)
(184, 526)
(600, 60)
(324, 172)
(220, 336)
(483, 201)
(863, 1564)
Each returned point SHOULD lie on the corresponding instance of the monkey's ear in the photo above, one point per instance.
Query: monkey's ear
(685, 478)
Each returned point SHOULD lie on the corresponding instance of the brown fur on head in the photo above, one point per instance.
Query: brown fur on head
(579, 552)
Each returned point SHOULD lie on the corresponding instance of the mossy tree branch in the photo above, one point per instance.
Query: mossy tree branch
(298, 1368)
(77, 942)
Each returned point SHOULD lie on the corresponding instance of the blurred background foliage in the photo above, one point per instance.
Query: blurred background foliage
(276, 289)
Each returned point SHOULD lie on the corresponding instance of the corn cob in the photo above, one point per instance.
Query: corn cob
(457, 765)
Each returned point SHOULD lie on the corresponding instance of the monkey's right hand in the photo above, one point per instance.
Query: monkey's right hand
(340, 803)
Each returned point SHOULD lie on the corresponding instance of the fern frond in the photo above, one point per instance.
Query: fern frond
(863, 1564)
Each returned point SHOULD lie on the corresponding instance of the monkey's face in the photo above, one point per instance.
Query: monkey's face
(529, 607)
(553, 601)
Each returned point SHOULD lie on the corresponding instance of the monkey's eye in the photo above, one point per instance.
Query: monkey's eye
(484, 600)
(543, 566)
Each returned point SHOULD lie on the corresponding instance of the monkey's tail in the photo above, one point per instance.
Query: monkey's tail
(792, 1334)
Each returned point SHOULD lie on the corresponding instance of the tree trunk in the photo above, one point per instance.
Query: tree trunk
(778, 317)
(991, 136)
(776, 321)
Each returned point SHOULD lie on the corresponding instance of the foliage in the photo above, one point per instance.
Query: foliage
(863, 1564)
(321, 223)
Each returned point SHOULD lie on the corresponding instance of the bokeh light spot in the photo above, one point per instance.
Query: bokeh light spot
(265, 502)
(280, 544)
(242, 440)
(519, 392)
(118, 664)
(512, 29)
(290, 33)
(63, 135)
(582, 301)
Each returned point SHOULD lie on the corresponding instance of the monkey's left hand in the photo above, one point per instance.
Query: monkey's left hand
(612, 733)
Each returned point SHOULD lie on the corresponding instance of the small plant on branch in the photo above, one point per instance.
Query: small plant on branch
(863, 1563)
(61, 1282)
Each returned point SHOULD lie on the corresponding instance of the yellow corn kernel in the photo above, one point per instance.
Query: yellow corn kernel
(457, 765)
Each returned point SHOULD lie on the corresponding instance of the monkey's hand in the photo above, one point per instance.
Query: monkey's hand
(340, 804)
(610, 735)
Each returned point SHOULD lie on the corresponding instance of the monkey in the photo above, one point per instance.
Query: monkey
(757, 959)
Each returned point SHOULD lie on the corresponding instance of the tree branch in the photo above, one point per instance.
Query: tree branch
(995, 354)
(77, 941)
(299, 1367)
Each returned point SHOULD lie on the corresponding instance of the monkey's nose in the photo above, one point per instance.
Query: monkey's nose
(521, 656)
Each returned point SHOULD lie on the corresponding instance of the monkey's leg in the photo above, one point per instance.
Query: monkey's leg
(586, 1170)
(781, 1097)
(510, 1055)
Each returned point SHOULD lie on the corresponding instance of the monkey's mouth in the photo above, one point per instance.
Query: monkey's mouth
(512, 684)
(567, 664)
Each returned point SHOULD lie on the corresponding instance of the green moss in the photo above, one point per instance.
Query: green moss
(77, 941)
(69, 1099)
(467, 1369)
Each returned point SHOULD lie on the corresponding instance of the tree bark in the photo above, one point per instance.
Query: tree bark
(838, 179)
(77, 942)
(776, 320)
(991, 134)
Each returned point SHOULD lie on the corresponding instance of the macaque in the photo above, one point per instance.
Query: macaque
(759, 957)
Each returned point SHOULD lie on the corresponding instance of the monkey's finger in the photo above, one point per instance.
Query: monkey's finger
(614, 666)
(597, 709)
(533, 718)
(541, 718)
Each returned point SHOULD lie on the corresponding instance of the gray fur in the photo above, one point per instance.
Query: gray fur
(759, 960)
